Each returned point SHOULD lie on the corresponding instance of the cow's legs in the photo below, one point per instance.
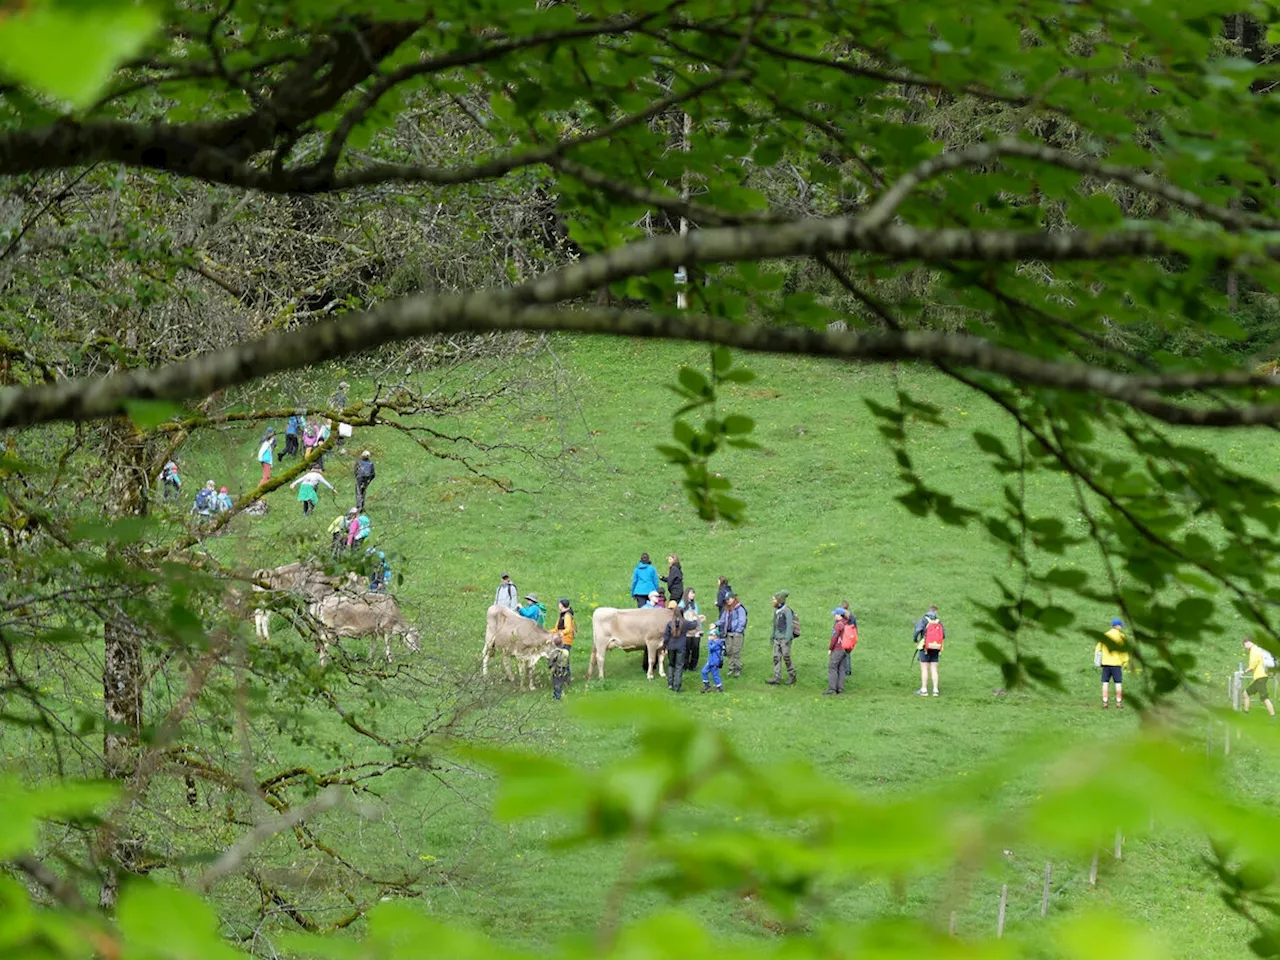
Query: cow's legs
(261, 623)
(484, 660)
(506, 665)
(662, 663)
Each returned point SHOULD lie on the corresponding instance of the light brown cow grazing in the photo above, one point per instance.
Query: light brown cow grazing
(362, 615)
(306, 580)
(507, 635)
(640, 629)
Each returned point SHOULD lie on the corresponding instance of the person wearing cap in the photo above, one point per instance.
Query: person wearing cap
(644, 581)
(224, 502)
(1110, 654)
(715, 660)
(365, 473)
(732, 626)
(784, 620)
(565, 628)
(533, 610)
(654, 601)
(673, 641)
(507, 595)
(844, 637)
(1258, 669)
(928, 637)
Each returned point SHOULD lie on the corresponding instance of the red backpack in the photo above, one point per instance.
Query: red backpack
(849, 638)
(933, 635)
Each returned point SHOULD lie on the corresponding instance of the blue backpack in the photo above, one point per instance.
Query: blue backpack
(204, 500)
(366, 527)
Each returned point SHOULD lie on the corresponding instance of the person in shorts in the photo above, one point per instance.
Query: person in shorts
(1258, 669)
(1110, 654)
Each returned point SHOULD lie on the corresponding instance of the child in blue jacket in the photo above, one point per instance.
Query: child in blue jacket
(715, 660)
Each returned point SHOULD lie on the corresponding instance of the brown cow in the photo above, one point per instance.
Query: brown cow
(507, 635)
(362, 615)
(627, 629)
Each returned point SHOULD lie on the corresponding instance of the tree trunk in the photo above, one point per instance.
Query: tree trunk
(127, 468)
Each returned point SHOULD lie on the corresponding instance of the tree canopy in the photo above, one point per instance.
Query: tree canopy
(1068, 207)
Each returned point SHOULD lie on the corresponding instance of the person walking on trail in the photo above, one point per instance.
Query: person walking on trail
(722, 597)
(558, 662)
(170, 481)
(291, 431)
(266, 453)
(844, 637)
(310, 437)
(359, 528)
(673, 641)
(1258, 668)
(929, 636)
(644, 580)
(732, 626)
(1110, 654)
(784, 624)
(507, 595)
(674, 579)
(306, 485)
(322, 437)
(565, 629)
(206, 501)
(533, 610)
(715, 660)
(365, 473)
(380, 572)
(224, 501)
(338, 531)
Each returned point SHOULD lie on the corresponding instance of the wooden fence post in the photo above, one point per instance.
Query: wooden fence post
(1048, 879)
(1004, 899)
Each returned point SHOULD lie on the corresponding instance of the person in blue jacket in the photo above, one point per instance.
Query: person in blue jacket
(644, 581)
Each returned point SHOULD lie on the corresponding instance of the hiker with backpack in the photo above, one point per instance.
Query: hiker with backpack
(732, 626)
(365, 474)
(1110, 654)
(844, 637)
(266, 453)
(785, 628)
(722, 596)
(359, 529)
(533, 610)
(206, 501)
(170, 481)
(306, 485)
(310, 437)
(338, 532)
(380, 572)
(929, 636)
(1259, 662)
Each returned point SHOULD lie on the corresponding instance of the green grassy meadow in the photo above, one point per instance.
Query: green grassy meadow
(823, 524)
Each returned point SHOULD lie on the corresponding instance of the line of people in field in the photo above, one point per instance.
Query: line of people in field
(682, 636)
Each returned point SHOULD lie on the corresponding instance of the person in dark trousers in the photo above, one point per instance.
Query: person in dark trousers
(732, 625)
(365, 473)
(844, 637)
(566, 629)
(558, 661)
(170, 480)
(507, 595)
(673, 640)
(783, 623)
(291, 431)
(722, 596)
(340, 403)
(693, 641)
(644, 581)
(674, 579)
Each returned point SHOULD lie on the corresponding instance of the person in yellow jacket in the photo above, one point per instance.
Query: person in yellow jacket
(1258, 669)
(1111, 655)
(566, 628)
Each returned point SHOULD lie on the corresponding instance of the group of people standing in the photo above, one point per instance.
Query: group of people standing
(565, 629)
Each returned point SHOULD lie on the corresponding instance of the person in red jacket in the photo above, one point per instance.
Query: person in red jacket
(844, 637)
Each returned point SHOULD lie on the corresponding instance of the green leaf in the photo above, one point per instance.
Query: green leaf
(70, 51)
(167, 922)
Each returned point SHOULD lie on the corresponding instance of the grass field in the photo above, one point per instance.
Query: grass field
(823, 524)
